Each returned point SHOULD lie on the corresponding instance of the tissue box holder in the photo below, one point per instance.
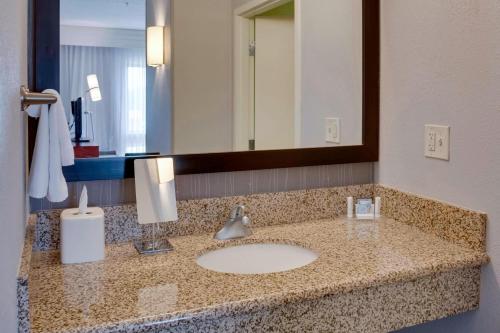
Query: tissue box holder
(82, 236)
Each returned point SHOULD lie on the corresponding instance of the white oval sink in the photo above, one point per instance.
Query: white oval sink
(257, 258)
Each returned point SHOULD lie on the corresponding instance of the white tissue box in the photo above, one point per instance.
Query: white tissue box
(82, 236)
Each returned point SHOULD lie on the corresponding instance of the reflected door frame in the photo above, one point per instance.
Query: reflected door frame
(244, 66)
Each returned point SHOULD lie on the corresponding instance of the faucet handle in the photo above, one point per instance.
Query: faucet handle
(238, 211)
(245, 220)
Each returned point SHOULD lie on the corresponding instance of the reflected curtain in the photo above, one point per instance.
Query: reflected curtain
(120, 117)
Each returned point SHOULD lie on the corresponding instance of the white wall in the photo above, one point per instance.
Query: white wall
(331, 69)
(202, 75)
(159, 85)
(13, 58)
(238, 3)
(103, 37)
(441, 64)
(104, 14)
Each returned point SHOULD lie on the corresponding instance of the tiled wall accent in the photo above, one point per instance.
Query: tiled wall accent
(208, 215)
(458, 225)
(119, 192)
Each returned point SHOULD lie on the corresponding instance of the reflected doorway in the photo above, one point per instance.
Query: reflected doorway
(265, 71)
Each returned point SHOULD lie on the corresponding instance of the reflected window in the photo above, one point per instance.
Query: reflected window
(105, 39)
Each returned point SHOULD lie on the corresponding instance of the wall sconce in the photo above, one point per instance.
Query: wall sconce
(155, 39)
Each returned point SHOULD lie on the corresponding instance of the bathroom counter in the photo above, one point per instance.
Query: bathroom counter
(370, 276)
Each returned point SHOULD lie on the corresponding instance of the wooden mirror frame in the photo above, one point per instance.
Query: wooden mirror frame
(44, 45)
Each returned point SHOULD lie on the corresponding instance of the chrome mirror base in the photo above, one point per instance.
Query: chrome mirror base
(153, 246)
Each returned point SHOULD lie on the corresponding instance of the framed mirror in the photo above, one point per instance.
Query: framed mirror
(222, 85)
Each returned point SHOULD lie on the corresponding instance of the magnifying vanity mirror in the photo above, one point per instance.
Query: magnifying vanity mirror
(221, 85)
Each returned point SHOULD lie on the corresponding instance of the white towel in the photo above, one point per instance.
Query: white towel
(53, 150)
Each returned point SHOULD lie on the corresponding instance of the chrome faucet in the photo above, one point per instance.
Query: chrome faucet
(236, 226)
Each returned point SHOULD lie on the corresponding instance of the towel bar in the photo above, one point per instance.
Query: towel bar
(31, 98)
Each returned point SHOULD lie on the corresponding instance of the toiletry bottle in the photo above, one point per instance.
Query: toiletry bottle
(350, 207)
(378, 206)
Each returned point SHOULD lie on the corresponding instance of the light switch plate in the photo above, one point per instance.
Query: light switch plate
(332, 130)
(437, 142)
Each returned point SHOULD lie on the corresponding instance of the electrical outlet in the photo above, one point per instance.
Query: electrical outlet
(431, 141)
(332, 130)
(437, 142)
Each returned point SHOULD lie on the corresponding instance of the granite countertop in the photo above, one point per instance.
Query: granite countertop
(132, 291)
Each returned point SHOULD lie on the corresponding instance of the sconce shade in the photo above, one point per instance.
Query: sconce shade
(165, 170)
(93, 84)
(155, 46)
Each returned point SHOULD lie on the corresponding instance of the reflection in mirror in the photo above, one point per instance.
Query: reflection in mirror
(236, 75)
(104, 40)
